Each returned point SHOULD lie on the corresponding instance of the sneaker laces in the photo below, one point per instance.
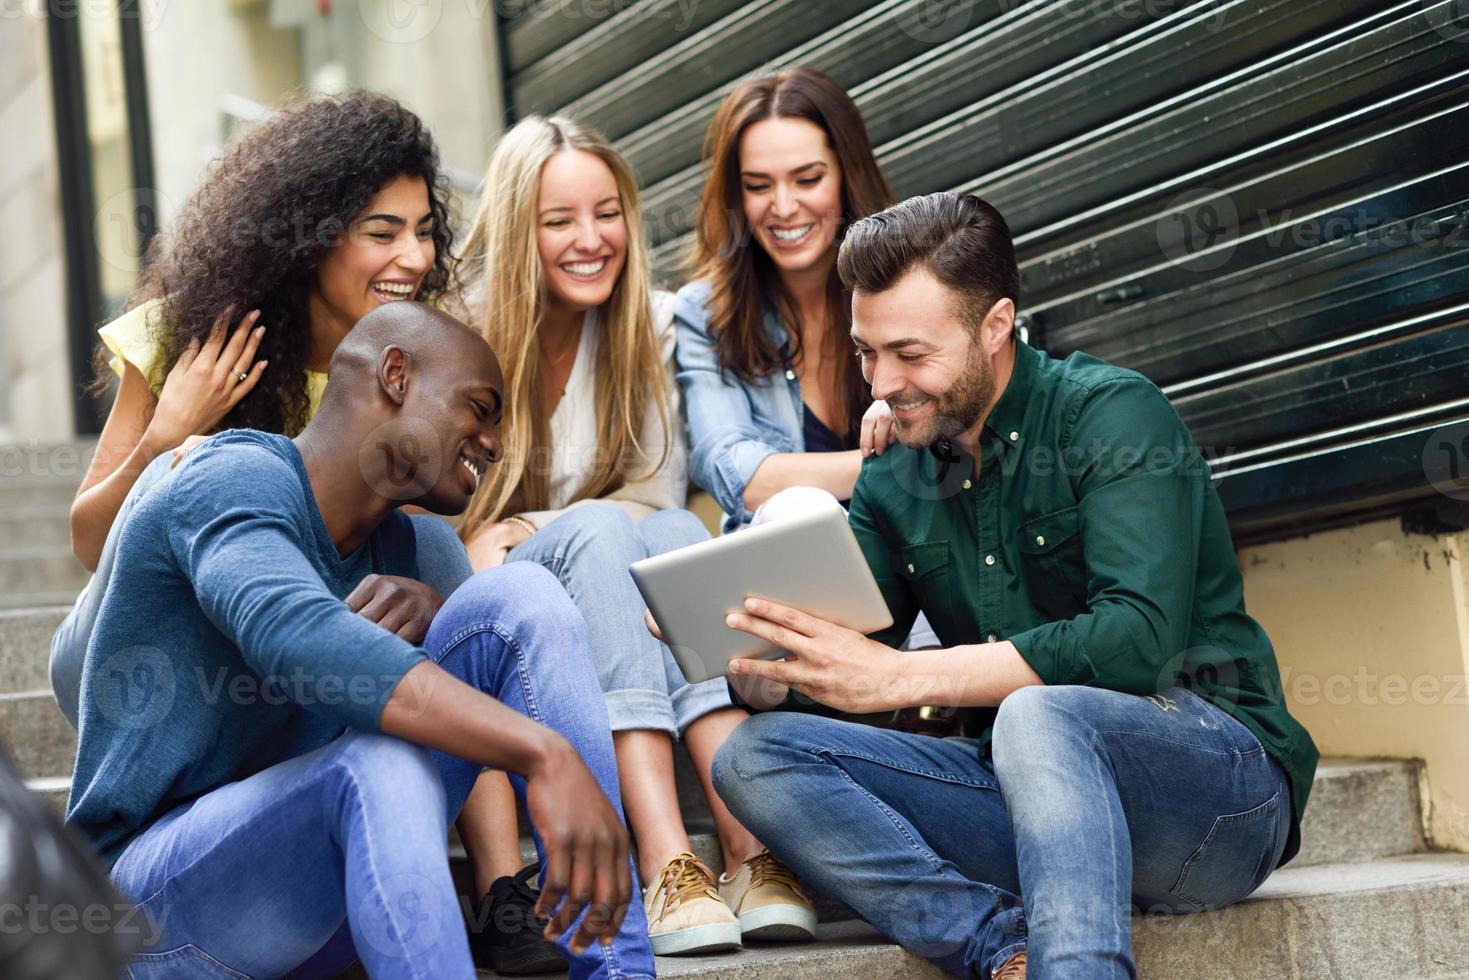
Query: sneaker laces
(766, 869)
(685, 877)
(522, 888)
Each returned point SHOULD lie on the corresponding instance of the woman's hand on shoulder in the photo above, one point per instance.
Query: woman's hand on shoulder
(208, 381)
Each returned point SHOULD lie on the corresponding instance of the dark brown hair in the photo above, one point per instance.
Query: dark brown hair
(743, 278)
(959, 238)
(266, 213)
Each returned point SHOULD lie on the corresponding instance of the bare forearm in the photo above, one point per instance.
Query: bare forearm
(978, 675)
(836, 473)
(96, 506)
(435, 709)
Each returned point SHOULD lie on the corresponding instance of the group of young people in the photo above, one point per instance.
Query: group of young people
(287, 690)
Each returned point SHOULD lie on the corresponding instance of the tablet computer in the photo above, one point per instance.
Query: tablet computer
(810, 562)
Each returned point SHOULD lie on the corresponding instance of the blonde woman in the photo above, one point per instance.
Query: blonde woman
(594, 479)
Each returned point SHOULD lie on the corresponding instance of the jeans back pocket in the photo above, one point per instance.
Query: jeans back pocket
(1234, 859)
(180, 963)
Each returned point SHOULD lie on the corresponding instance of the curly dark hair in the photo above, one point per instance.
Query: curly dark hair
(277, 201)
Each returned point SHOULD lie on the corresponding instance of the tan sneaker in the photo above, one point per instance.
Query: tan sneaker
(1012, 969)
(768, 901)
(685, 912)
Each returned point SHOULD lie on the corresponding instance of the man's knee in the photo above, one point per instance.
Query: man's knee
(595, 524)
(507, 593)
(385, 771)
(675, 527)
(520, 601)
(1033, 721)
(751, 751)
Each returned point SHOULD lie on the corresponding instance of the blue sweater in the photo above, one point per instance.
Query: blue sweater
(223, 646)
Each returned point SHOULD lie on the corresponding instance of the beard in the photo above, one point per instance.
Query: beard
(956, 410)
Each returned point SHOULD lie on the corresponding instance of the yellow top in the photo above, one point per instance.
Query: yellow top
(131, 339)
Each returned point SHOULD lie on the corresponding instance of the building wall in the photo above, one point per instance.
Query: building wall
(1371, 626)
(202, 57)
(34, 375)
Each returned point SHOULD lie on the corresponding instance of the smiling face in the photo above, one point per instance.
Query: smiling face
(581, 233)
(382, 258)
(933, 369)
(791, 192)
(460, 393)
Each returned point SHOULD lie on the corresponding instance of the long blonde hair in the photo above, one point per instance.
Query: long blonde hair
(503, 258)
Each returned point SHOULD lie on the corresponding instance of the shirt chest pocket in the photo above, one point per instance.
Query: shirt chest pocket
(1053, 563)
(927, 571)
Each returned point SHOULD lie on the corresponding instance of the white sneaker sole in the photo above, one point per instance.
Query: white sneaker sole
(779, 924)
(715, 937)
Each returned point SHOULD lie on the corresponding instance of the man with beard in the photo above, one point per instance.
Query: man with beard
(1127, 742)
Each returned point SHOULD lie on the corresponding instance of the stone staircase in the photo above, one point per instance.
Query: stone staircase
(1365, 898)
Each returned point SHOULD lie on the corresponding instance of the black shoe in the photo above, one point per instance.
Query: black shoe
(506, 936)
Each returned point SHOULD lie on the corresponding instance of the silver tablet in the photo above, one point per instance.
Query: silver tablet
(810, 562)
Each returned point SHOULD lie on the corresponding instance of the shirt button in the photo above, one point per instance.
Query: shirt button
(968, 484)
(1014, 436)
(1040, 539)
(910, 569)
(991, 638)
(989, 559)
(790, 375)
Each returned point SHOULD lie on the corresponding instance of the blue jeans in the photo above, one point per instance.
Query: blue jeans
(589, 548)
(342, 852)
(442, 563)
(1094, 802)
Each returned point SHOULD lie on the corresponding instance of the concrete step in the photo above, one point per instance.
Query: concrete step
(37, 491)
(1397, 917)
(36, 734)
(1361, 810)
(26, 601)
(41, 526)
(52, 790)
(46, 568)
(25, 647)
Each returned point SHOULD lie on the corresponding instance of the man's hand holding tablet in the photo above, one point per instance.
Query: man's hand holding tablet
(805, 572)
(836, 666)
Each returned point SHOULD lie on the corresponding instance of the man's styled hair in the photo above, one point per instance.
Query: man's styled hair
(960, 239)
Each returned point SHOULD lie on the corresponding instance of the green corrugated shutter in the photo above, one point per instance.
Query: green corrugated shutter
(1258, 203)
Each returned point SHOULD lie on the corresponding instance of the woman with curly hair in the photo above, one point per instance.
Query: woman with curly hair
(322, 213)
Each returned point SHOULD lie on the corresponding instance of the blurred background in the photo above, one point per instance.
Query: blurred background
(1261, 204)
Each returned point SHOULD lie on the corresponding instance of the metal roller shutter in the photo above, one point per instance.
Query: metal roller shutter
(1260, 204)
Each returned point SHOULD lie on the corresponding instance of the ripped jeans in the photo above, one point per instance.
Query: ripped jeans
(1094, 803)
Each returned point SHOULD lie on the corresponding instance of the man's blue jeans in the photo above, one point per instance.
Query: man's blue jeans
(1094, 802)
(345, 847)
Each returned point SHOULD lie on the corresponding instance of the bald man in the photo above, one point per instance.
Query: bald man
(279, 722)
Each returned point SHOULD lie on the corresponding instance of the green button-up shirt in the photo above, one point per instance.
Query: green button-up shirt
(1091, 538)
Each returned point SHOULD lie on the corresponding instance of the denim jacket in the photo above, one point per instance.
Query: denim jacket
(733, 426)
